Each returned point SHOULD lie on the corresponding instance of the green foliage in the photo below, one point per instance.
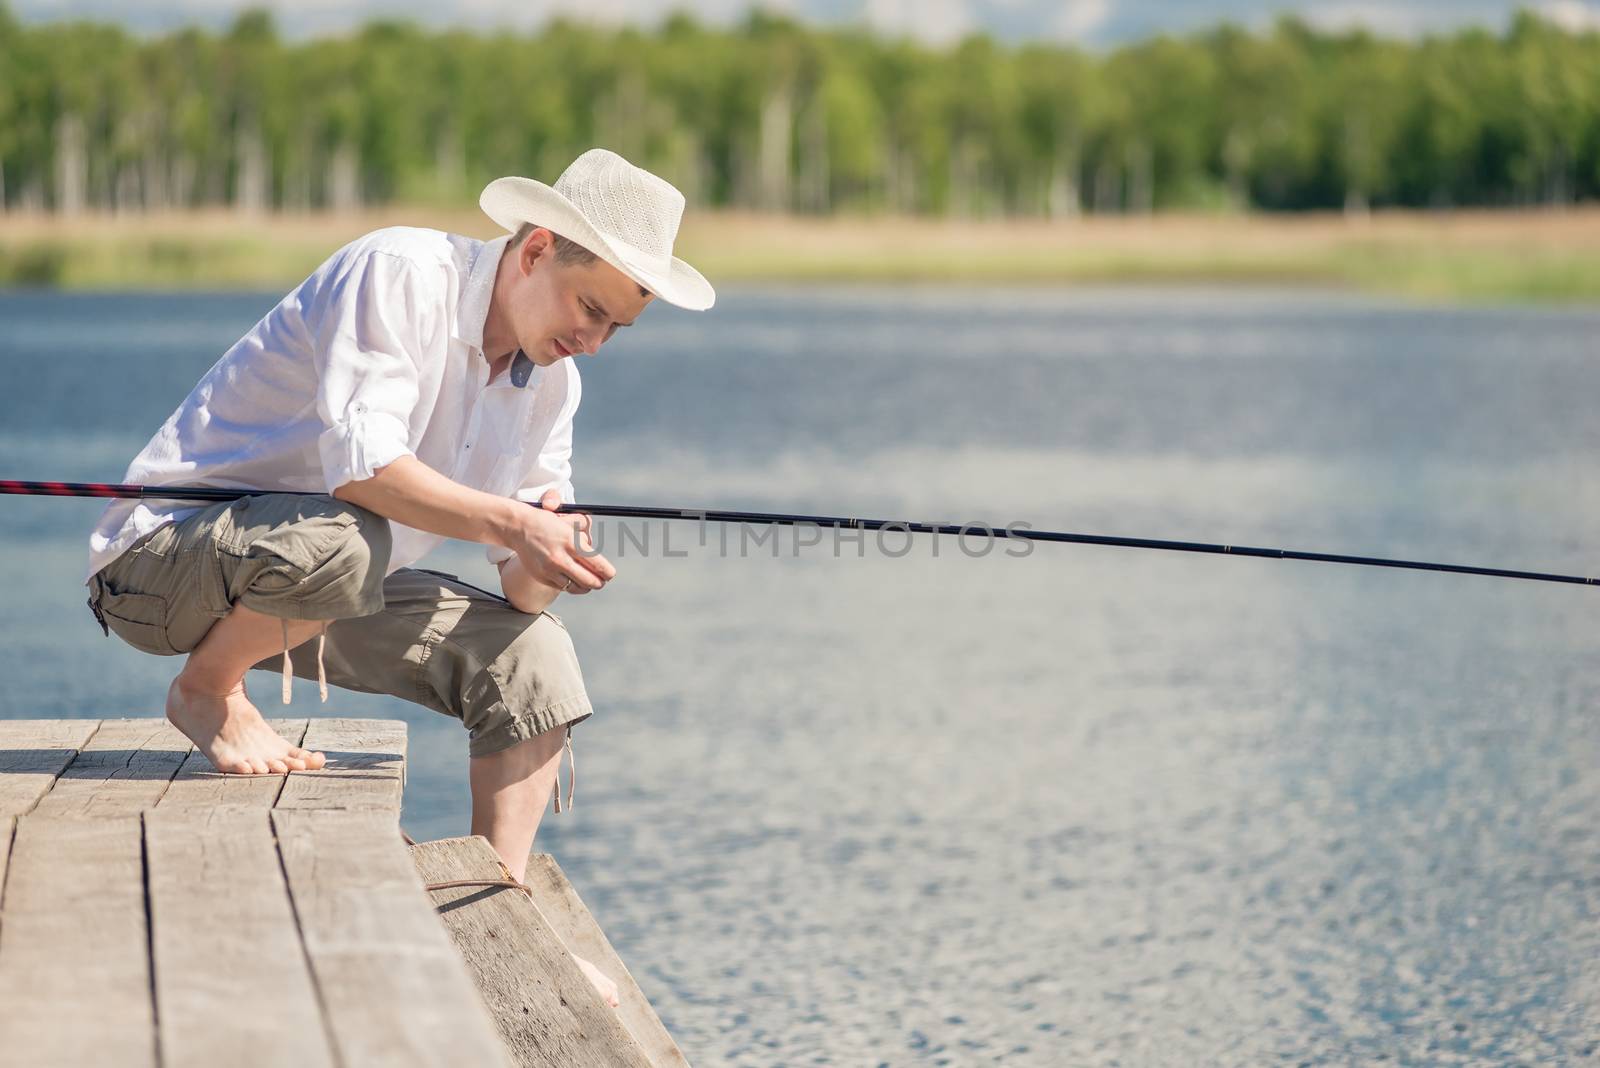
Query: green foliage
(775, 115)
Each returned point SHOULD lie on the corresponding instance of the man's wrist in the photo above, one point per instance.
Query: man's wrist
(506, 523)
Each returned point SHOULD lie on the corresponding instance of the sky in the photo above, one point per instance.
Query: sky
(1087, 22)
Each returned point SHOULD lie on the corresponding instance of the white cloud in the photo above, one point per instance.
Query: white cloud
(610, 12)
(1386, 19)
(1573, 15)
(1077, 19)
(933, 21)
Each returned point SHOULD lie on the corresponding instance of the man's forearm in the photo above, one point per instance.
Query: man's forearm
(410, 492)
(547, 545)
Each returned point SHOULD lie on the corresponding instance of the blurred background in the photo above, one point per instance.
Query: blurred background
(1314, 276)
(820, 136)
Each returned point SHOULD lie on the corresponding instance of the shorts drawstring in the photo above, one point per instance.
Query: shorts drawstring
(288, 667)
(322, 672)
(572, 774)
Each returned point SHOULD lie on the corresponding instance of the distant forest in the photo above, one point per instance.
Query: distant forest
(772, 115)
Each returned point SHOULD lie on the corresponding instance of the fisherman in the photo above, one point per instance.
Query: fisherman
(417, 387)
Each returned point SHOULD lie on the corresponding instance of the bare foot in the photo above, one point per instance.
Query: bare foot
(229, 730)
(606, 988)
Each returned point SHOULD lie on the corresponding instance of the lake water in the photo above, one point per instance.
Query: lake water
(1087, 806)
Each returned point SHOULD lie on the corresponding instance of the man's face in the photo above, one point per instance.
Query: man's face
(558, 310)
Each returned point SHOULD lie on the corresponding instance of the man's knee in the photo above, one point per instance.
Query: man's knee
(530, 684)
(523, 755)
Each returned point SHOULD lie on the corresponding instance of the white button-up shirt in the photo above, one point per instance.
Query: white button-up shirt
(378, 355)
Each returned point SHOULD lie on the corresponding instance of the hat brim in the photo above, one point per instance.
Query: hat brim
(512, 201)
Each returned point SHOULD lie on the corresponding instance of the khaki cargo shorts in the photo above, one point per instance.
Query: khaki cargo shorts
(424, 636)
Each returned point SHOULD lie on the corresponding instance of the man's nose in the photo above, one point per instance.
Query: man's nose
(590, 340)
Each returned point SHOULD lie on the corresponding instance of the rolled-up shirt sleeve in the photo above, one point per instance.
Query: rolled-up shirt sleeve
(368, 334)
(552, 469)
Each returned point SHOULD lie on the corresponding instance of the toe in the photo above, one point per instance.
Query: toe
(295, 763)
(258, 766)
(277, 767)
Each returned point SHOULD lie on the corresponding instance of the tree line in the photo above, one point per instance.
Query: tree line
(773, 115)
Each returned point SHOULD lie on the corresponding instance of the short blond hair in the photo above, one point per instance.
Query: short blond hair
(568, 252)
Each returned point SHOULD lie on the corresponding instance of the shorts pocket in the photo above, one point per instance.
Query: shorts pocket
(158, 543)
(307, 541)
(140, 619)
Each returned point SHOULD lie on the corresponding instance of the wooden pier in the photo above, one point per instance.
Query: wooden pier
(154, 912)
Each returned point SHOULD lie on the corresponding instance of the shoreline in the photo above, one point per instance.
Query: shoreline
(1536, 256)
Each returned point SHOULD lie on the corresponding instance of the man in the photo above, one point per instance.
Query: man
(416, 387)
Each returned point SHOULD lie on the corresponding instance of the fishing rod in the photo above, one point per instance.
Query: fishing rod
(703, 515)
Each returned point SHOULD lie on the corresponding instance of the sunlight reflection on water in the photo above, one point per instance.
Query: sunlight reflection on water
(1087, 806)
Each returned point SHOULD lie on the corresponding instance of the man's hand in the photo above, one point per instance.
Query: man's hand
(551, 548)
(533, 595)
(554, 549)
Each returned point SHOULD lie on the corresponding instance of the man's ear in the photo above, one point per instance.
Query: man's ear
(540, 243)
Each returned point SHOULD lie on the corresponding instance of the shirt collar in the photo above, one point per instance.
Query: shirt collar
(472, 310)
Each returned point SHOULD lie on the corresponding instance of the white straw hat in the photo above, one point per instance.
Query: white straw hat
(622, 213)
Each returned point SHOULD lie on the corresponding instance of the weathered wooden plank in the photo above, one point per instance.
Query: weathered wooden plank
(394, 990)
(32, 754)
(548, 1012)
(365, 769)
(231, 978)
(121, 771)
(578, 929)
(74, 962)
(200, 786)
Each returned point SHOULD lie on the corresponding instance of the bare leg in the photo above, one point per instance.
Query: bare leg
(207, 701)
(510, 790)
